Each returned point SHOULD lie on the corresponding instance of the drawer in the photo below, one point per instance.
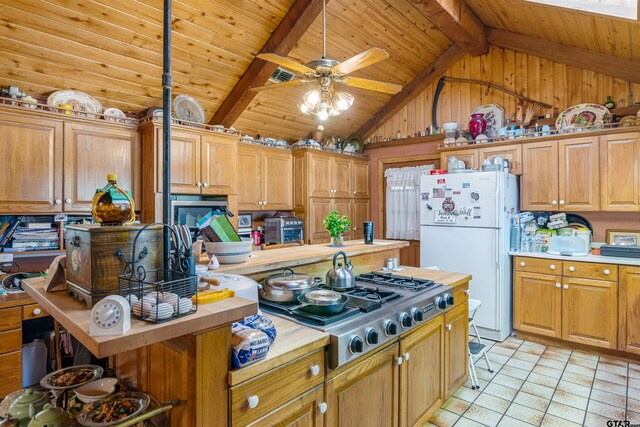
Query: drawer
(10, 318)
(539, 265)
(590, 270)
(275, 388)
(33, 311)
(460, 294)
(10, 341)
(10, 372)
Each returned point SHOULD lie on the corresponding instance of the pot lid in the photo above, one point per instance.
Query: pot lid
(290, 280)
(29, 397)
(323, 296)
(49, 413)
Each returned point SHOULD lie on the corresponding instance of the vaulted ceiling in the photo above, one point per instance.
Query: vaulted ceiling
(112, 49)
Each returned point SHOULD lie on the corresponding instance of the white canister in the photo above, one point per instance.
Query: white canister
(34, 362)
(586, 236)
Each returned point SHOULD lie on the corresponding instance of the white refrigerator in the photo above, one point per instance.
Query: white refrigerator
(464, 227)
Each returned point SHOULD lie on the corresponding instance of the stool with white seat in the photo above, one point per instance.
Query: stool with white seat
(477, 349)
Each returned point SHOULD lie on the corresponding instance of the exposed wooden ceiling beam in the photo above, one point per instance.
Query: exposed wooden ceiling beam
(413, 88)
(294, 24)
(457, 21)
(594, 61)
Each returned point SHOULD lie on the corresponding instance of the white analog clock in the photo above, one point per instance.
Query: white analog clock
(110, 316)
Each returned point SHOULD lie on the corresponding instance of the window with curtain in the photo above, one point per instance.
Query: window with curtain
(403, 202)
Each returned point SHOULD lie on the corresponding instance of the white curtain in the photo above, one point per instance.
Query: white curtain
(403, 202)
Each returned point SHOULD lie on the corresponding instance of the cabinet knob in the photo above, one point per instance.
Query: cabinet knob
(572, 268)
(67, 200)
(552, 266)
(264, 203)
(448, 327)
(466, 291)
(554, 202)
(322, 407)
(315, 370)
(565, 286)
(399, 360)
(406, 356)
(205, 185)
(36, 311)
(558, 285)
(198, 184)
(260, 202)
(522, 264)
(607, 272)
(562, 202)
(355, 228)
(58, 201)
(253, 401)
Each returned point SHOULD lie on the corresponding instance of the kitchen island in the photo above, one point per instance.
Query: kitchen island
(189, 359)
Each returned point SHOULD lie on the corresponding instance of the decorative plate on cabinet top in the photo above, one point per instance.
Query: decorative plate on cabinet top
(114, 115)
(583, 115)
(81, 102)
(494, 115)
(188, 109)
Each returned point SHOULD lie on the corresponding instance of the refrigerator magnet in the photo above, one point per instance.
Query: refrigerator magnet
(475, 196)
(425, 196)
(438, 193)
(466, 185)
(448, 205)
(476, 212)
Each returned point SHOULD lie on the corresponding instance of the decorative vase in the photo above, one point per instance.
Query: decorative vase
(337, 241)
(477, 124)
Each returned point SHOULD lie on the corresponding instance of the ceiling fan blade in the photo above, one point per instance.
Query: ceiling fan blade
(361, 60)
(390, 88)
(285, 62)
(279, 85)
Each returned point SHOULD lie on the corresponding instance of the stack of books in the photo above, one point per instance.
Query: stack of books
(27, 237)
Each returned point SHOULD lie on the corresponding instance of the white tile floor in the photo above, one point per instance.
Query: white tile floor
(533, 384)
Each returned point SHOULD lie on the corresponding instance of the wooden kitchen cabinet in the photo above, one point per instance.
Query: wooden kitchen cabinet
(629, 310)
(513, 153)
(537, 303)
(265, 178)
(31, 149)
(456, 345)
(360, 212)
(342, 177)
(91, 151)
(301, 412)
(365, 393)
(578, 174)
(318, 211)
(360, 178)
(218, 162)
(469, 157)
(185, 163)
(421, 374)
(539, 182)
(320, 175)
(590, 312)
(620, 164)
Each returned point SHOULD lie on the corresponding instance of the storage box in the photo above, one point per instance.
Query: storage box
(93, 265)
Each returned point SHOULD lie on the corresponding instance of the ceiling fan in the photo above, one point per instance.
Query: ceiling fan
(325, 101)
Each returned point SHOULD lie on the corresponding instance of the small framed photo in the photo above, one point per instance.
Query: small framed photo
(623, 237)
(244, 220)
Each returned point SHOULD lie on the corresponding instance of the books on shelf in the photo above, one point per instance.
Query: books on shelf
(29, 235)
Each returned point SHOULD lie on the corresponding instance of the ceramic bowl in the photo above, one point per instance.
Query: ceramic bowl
(229, 252)
(96, 390)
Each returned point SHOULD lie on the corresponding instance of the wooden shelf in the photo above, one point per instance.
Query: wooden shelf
(405, 141)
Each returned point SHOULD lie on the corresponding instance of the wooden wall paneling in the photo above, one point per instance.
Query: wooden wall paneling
(509, 80)
(496, 75)
(547, 86)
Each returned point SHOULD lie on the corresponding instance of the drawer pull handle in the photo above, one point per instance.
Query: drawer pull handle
(558, 285)
(565, 286)
(406, 357)
(36, 311)
(315, 370)
(253, 401)
(448, 327)
(522, 264)
(399, 360)
(607, 272)
(552, 266)
(322, 407)
(572, 268)
(466, 291)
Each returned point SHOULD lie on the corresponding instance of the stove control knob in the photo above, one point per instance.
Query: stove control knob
(441, 303)
(405, 320)
(448, 298)
(417, 315)
(371, 337)
(356, 345)
(390, 328)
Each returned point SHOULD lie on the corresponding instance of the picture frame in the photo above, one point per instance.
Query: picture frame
(623, 237)
(245, 220)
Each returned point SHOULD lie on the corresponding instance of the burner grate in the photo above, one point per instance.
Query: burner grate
(389, 279)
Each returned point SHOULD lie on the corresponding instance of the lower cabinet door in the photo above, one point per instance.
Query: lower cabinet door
(421, 374)
(537, 304)
(590, 312)
(629, 327)
(456, 348)
(365, 394)
(304, 411)
(10, 372)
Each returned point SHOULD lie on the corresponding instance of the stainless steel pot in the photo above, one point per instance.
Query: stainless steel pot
(323, 302)
(287, 286)
(340, 277)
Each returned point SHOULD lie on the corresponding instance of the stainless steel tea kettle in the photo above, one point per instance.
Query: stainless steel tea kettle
(341, 277)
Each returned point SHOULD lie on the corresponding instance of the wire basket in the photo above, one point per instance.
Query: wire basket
(158, 295)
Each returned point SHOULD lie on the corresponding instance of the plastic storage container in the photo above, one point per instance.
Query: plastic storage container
(34, 362)
(568, 245)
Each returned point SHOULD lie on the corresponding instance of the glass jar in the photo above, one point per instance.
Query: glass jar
(113, 205)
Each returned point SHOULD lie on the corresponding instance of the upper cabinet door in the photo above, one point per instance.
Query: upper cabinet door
(579, 175)
(342, 177)
(219, 158)
(31, 152)
(620, 179)
(320, 175)
(513, 153)
(360, 213)
(360, 179)
(277, 175)
(91, 151)
(539, 183)
(249, 177)
(185, 164)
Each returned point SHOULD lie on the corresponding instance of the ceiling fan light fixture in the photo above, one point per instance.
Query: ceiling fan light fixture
(323, 115)
(312, 98)
(344, 101)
